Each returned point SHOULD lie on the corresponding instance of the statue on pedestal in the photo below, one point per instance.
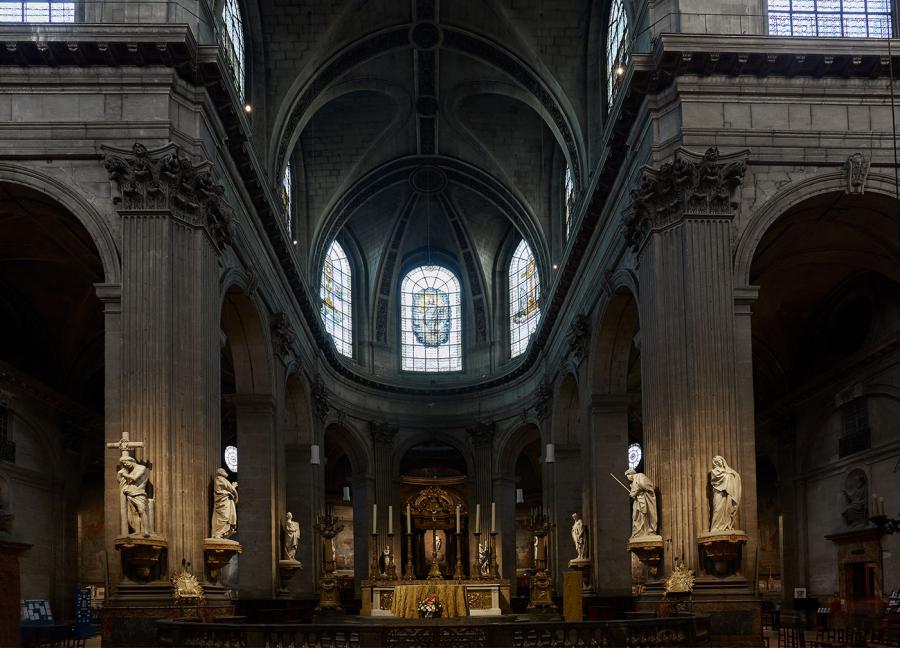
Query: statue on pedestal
(133, 478)
(578, 536)
(224, 517)
(643, 509)
(290, 537)
(726, 495)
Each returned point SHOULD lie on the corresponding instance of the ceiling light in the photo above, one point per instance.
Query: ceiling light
(295, 241)
(620, 71)
(555, 267)
(247, 108)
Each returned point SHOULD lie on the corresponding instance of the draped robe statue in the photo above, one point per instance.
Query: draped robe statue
(726, 495)
(578, 536)
(643, 508)
(133, 478)
(224, 517)
(290, 537)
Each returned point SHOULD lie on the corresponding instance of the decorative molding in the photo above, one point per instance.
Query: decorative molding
(165, 179)
(320, 398)
(284, 339)
(857, 168)
(482, 434)
(382, 433)
(690, 185)
(542, 399)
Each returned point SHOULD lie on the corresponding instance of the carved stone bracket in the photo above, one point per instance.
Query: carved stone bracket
(857, 168)
(165, 179)
(690, 185)
(542, 399)
(284, 339)
(482, 433)
(382, 432)
(320, 399)
(578, 336)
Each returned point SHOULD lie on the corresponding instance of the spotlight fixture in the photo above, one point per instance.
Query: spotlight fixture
(555, 267)
(620, 71)
(247, 108)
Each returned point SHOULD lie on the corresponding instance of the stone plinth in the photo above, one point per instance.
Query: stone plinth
(572, 591)
(722, 549)
(217, 552)
(582, 566)
(141, 553)
(287, 569)
(649, 550)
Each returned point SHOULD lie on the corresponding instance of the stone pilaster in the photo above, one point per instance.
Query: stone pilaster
(681, 232)
(383, 436)
(257, 508)
(608, 508)
(302, 497)
(174, 225)
(565, 477)
(482, 437)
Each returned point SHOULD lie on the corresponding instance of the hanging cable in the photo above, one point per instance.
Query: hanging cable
(894, 135)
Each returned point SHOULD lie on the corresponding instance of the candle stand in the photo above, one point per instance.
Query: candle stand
(328, 526)
(458, 573)
(495, 566)
(391, 568)
(476, 564)
(541, 595)
(410, 570)
(374, 569)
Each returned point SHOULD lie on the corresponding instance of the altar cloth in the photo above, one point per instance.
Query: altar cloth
(452, 597)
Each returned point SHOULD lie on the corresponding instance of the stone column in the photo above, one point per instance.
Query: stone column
(505, 495)
(383, 436)
(300, 500)
(174, 226)
(681, 232)
(482, 438)
(566, 479)
(255, 417)
(607, 510)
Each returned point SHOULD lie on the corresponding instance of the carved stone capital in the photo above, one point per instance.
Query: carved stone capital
(320, 399)
(690, 185)
(857, 169)
(382, 433)
(482, 433)
(284, 339)
(578, 336)
(166, 179)
(542, 399)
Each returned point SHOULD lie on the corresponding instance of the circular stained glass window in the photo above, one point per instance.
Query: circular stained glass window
(634, 455)
(231, 458)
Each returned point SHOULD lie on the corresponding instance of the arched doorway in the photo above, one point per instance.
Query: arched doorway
(52, 397)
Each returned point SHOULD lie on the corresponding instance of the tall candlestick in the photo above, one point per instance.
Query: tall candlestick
(408, 520)
(493, 517)
(390, 519)
(457, 518)
(478, 518)
(374, 519)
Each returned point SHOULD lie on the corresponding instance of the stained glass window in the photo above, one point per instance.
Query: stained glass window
(635, 454)
(234, 43)
(231, 458)
(836, 18)
(569, 197)
(616, 48)
(430, 320)
(46, 11)
(524, 298)
(286, 189)
(337, 313)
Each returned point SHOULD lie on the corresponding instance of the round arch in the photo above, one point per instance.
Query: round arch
(618, 324)
(353, 443)
(248, 340)
(424, 436)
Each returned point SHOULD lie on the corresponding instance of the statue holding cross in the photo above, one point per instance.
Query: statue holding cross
(136, 510)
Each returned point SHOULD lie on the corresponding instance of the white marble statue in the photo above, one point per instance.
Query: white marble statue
(224, 517)
(643, 508)
(578, 536)
(726, 495)
(133, 478)
(290, 537)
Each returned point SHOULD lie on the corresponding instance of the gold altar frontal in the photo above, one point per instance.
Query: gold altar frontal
(399, 599)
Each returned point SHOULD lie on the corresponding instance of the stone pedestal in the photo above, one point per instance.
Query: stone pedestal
(218, 552)
(572, 591)
(10, 593)
(141, 553)
(583, 567)
(649, 550)
(287, 569)
(721, 551)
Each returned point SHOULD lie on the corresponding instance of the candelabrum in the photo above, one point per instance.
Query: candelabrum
(458, 573)
(410, 570)
(887, 526)
(495, 566)
(541, 595)
(328, 526)
(435, 572)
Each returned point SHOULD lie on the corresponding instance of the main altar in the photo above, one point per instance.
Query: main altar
(435, 556)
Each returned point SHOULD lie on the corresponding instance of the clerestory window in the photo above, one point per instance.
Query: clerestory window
(430, 320)
(616, 48)
(233, 42)
(286, 192)
(53, 11)
(336, 297)
(524, 298)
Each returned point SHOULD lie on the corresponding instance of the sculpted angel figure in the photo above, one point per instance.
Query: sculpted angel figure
(726, 495)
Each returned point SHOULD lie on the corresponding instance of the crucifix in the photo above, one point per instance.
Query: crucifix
(135, 507)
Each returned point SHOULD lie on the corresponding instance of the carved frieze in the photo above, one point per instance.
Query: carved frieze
(382, 432)
(687, 186)
(284, 339)
(165, 179)
(857, 169)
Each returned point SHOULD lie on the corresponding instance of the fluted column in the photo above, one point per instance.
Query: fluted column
(302, 494)
(482, 437)
(174, 224)
(681, 231)
(383, 436)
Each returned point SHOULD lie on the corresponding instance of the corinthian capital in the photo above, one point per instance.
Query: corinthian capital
(165, 179)
(691, 185)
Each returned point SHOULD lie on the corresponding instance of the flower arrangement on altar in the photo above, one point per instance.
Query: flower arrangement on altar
(429, 607)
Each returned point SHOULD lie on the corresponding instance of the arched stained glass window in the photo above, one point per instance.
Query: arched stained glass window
(835, 18)
(569, 197)
(616, 48)
(430, 320)
(335, 293)
(234, 43)
(524, 298)
(31, 11)
(286, 191)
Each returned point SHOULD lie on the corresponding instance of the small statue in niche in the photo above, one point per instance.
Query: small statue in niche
(643, 508)
(290, 537)
(726, 495)
(856, 499)
(578, 532)
(224, 517)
